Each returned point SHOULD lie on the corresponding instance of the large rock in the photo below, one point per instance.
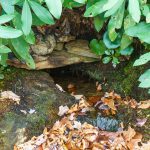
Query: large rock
(54, 60)
(40, 101)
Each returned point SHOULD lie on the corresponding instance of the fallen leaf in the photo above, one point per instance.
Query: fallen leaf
(141, 122)
(63, 110)
(109, 102)
(59, 88)
(144, 104)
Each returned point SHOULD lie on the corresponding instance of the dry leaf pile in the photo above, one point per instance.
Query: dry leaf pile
(69, 134)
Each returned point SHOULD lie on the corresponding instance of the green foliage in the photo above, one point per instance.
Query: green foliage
(123, 20)
(145, 77)
(16, 20)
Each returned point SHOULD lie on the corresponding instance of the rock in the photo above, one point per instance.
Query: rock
(80, 47)
(59, 46)
(55, 60)
(44, 48)
(39, 105)
(65, 38)
(38, 58)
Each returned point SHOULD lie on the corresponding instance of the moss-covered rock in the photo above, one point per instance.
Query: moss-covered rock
(123, 79)
(40, 101)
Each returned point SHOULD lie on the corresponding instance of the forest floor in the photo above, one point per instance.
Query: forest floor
(104, 121)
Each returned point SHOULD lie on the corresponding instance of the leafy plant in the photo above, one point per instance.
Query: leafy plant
(16, 20)
(124, 20)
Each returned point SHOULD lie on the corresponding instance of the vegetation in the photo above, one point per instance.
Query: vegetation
(124, 21)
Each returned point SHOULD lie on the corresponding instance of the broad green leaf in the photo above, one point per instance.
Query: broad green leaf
(106, 60)
(81, 1)
(95, 9)
(114, 8)
(55, 7)
(125, 41)
(26, 18)
(110, 4)
(115, 61)
(36, 21)
(3, 59)
(4, 49)
(145, 76)
(141, 30)
(148, 18)
(145, 10)
(30, 38)
(127, 51)
(6, 18)
(17, 21)
(9, 32)
(116, 23)
(7, 5)
(128, 22)
(109, 44)
(145, 83)
(98, 47)
(142, 60)
(134, 10)
(42, 13)
(98, 22)
(22, 49)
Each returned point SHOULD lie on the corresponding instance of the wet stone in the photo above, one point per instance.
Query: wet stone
(40, 101)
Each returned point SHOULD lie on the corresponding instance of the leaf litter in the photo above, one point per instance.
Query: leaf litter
(70, 134)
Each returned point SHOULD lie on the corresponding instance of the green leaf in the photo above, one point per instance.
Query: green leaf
(142, 60)
(81, 1)
(141, 30)
(4, 49)
(22, 49)
(36, 21)
(26, 18)
(3, 59)
(17, 21)
(95, 9)
(106, 60)
(145, 76)
(98, 47)
(116, 23)
(55, 7)
(7, 5)
(114, 8)
(127, 51)
(115, 61)
(128, 22)
(125, 41)
(42, 13)
(148, 18)
(109, 44)
(6, 18)
(134, 10)
(30, 38)
(9, 32)
(145, 83)
(98, 22)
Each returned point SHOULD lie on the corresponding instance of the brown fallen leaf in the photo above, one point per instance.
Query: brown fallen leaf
(144, 104)
(63, 110)
(141, 122)
(109, 102)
